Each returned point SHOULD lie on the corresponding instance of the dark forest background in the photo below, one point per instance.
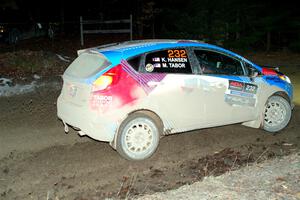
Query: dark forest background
(262, 25)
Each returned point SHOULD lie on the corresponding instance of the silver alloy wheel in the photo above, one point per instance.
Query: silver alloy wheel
(139, 137)
(274, 113)
(277, 114)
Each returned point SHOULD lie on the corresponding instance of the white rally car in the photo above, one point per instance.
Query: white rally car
(132, 93)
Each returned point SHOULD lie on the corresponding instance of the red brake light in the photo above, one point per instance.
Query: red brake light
(107, 79)
(270, 72)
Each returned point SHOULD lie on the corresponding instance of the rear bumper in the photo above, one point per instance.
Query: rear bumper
(88, 122)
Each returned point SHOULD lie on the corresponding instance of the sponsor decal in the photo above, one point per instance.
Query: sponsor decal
(149, 67)
(176, 59)
(235, 85)
(156, 59)
(177, 53)
(237, 93)
(142, 79)
(177, 65)
(244, 87)
(104, 100)
(250, 88)
(157, 65)
(240, 93)
(99, 100)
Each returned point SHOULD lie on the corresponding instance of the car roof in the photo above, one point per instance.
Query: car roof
(136, 47)
(115, 52)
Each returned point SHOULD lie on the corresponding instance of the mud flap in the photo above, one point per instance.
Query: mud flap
(66, 127)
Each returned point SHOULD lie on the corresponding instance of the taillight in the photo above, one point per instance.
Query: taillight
(269, 72)
(107, 79)
(102, 82)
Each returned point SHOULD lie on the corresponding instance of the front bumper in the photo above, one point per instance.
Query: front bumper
(87, 122)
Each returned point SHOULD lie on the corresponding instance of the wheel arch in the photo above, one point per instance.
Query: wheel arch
(258, 123)
(288, 112)
(148, 112)
(283, 95)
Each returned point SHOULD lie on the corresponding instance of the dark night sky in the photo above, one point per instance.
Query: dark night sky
(253, 23)
(52, 10)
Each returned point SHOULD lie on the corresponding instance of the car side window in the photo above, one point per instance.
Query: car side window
(135, 62)
(168, 61)
(216, 63)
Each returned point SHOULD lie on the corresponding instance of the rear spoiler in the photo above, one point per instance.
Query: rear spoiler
(88, 50)
(93, 49)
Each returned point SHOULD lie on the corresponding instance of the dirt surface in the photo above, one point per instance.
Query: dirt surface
(273, 179)
(39, 161)
(22, 65)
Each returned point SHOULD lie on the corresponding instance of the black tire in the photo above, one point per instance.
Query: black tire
(277, 114)
(138, 136)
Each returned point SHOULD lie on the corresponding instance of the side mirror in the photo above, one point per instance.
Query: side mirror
(253, 73)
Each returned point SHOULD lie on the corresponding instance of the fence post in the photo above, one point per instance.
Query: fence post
(130, 26)
(81, 31)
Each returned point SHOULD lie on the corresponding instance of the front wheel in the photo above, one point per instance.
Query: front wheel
(138, 136)
(277, 114)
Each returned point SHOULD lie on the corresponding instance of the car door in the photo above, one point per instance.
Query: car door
(170, 73)
(228, 95)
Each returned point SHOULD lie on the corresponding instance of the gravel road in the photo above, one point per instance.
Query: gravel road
(273, 179)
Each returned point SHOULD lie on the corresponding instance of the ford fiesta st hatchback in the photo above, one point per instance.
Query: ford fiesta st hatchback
(131, 94)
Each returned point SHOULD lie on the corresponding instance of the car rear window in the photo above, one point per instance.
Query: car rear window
(86, 65)
(168, 61)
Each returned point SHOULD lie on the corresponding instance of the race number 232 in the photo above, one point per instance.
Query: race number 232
(177, 53)
(250, 88)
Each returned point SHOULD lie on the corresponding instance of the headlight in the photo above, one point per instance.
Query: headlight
(285, 78)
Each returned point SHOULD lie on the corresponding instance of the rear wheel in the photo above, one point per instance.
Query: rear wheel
(277, 114)
(138, 136)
